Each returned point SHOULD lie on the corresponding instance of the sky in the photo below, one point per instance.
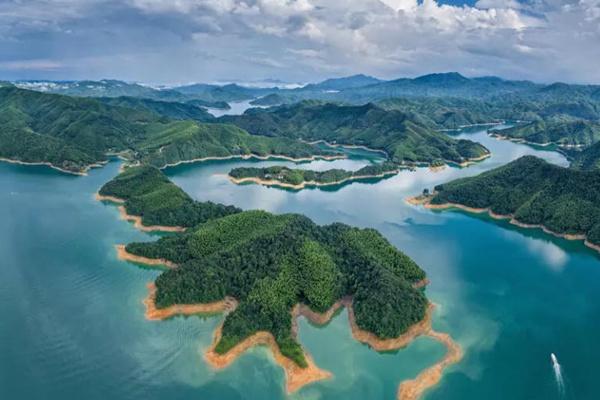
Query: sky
(184, 41)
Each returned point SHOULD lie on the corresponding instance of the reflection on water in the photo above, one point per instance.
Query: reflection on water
(236, 108)
(73, 324)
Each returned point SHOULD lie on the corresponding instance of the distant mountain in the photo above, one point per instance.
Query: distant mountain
(229, 92)
(101, 88)
(344, 83)
(402, 136)
(169, 109)
(202, 95)
(443, 79)
(273, 99)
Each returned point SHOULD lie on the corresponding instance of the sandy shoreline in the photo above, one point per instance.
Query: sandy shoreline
(137, 220)
(303, 185)
(257, 157)
(424, 201)
(48, 164)
(413, 389)
(137, 223)
(295, 376)
(123, 254)
(112, 199)
(156, 314)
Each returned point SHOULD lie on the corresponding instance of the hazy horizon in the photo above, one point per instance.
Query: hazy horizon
(298, 41)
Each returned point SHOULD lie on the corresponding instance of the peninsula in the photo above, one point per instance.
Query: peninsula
(300, 178)
(403, 136)
(532, 193)
(265, 270)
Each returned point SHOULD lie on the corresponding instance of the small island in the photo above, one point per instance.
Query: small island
(531, 193)
(264, 271)
(293, 178)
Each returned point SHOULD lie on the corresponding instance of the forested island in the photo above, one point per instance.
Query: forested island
(265, 270)
(295, 178)
(532, 193)
(402, 136)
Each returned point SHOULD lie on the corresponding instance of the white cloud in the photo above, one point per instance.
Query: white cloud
(545, 40)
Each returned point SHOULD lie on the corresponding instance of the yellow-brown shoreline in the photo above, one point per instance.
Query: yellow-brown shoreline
(297, 377)
(112, 199)
(123, 254)
(137, 220)
(425, 202)
(277, 183)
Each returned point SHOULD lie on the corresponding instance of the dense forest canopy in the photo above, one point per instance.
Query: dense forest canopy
(269, 263)
(73, 133)
(296, 176)
(535, 192)
(563, 133)
(403, 136)
(149, 194)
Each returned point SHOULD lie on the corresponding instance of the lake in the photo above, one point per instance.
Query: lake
(73, 323)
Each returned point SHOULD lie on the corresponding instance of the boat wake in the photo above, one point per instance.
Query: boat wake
(558, 375)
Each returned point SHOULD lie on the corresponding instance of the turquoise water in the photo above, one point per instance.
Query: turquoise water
(72, 323)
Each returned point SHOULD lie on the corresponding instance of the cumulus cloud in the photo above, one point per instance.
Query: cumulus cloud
(204, 40)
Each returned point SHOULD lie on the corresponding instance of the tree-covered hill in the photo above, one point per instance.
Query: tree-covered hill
(149, 194)
(299, 177)
(587, 159)
(185, 140)
(535, 192)
(563, 133)
(269, 263)
(401, 135)
(73, 133)
(169, 109)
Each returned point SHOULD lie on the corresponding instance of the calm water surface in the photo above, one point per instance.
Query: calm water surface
(72, 323)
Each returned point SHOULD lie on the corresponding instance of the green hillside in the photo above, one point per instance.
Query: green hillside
(186, 140)
(293, 176)
(534, 191)
(169, 109)
(148, 193)
(563, 133)
(402, 136)
(269, 263)
(73, 132)
(587, 159)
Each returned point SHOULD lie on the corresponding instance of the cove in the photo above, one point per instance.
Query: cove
(73, 320)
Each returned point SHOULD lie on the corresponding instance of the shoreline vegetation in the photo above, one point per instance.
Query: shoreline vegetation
(425, 201)
(271, 278)
(530, 193)
(297, 179)
(82, 172)
(297, 377)
(136, 219)
(408, 139)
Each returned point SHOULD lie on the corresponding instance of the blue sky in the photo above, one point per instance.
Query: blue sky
(180, 41)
